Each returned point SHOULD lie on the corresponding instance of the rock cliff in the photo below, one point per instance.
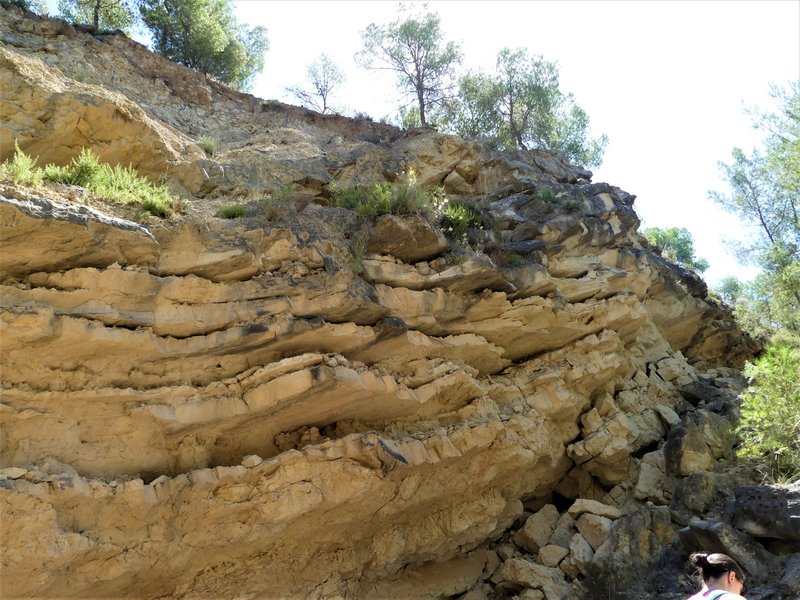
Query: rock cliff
(302, 403)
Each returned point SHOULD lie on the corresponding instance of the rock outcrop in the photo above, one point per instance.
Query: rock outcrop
(302, 403)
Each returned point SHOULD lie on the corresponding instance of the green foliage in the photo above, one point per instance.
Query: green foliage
(546, 195)
(769, 426)
(413, 47)
(457, 217)
(409, 117)
(324, 76)
(21, 169)
(676, 245)
(380, 198)
(231, 211)
(358, 250)
(521, 106)
(36, 6)
(106, 15)
(118, 183)
(765, 193)
(204, 35)
(208, 144)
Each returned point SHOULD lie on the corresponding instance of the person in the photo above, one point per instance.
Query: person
(723, 578)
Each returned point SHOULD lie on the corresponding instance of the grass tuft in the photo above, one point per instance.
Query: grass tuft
(231, 211)
(118, 184)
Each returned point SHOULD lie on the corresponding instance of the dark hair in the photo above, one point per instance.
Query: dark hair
(715, 565)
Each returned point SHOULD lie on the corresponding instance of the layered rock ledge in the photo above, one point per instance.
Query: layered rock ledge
(201, 408)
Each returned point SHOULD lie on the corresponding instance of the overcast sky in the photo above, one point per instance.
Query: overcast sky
(666, 81)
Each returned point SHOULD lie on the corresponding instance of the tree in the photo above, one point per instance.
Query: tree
(765, 192)
(323, 75)
(204, 35)
(677, 245)
(522, 106)
(413, 47)
(100, 14)
(36, 6)
(769, 427)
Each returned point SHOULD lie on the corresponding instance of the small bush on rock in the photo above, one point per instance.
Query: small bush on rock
(118, 183)
(209, 145)
(21, 169)
(406, 198)
(231, 211)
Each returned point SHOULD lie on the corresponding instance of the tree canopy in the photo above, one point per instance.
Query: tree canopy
(522, 106)
(101, 14)
(324, 76)
(204, 35)
(677, 245)
(764, 191)
(413, 47)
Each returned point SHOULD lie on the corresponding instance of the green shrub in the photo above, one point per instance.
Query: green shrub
(119, 184)
(458, 217)
(84, 171)
(769, 426)
(231, 211)
(407, 198)
(21, 169)
(358, 250)
(546, 195)
(209, 145)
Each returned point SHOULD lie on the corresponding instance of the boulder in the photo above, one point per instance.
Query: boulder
(769, 511)
(713, 536)
(594, 528)
(537, 529)
(409, 238)
(531, 575)
(581, 553)
(696, 443)
(582, 505)
(551, 555)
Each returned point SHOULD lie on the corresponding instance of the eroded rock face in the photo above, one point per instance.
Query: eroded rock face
(207, 408)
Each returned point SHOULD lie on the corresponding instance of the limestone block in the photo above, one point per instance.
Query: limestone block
(410, 239)
(537, 529)
(653, 482)
(591, 421)
(669, 416)
(570, 567)
(605, 405)
(251, 460)
(523, 572)
(551, 555)
(12, 473)
(74, 236)
(582, 505)
(563, 532)
(696, 443)
(594, 528)
(580, 552)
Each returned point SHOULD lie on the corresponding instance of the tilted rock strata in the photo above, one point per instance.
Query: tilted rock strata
(203, 407)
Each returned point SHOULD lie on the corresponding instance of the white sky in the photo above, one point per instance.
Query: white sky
(666, 81)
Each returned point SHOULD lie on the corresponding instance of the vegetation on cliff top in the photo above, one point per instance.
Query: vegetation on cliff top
(676, 244)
